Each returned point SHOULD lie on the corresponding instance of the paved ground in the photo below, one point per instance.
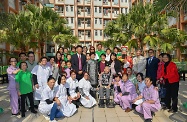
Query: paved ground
(96, 114)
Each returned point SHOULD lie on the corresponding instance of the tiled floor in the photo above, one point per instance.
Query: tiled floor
(83, 115)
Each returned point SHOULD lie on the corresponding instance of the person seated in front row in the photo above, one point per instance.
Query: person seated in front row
(151, 102)
(84, 87)
(117, 81)
(72, 89)
(49, 104)
(67, 107)
(127, 92)
(105, 81)
(141, 83)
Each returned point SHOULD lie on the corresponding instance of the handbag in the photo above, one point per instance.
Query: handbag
(162, 92)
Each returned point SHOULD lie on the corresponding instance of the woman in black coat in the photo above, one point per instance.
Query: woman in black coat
(115, 64)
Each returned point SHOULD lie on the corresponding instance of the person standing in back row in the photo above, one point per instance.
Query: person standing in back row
(99, 51)
(139, 63)
(78, 62)
(152, 66)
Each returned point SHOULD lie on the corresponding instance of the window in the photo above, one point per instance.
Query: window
(101, 32)
(72, 20)
(71, 8)
(79, 33)
(67, 8)
(100, 20)
(88, 10)
(99, 9)
(95, 9)
(125, 10)
(61, 9)
(95, 20)
(88, 21)
(95, 32)
(79, 22)
(89, 34)
(121, 10)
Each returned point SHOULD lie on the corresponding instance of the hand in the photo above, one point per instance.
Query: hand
(58, 102)
(80, 72)
(135, 100)
(36, 86)
(97, 89)
(161, 79)
(156, 88)
(78, 95)
(120, 94)
(19, 94)
(87, 98)
(108, 86)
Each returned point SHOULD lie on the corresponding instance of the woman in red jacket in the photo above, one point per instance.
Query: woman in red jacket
(171, 77)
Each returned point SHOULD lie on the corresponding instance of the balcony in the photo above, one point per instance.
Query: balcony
(59, 1)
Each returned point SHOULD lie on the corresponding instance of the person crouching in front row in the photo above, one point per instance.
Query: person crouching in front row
(127, 92)
(151, 102)
(49, 105)
(84, 87)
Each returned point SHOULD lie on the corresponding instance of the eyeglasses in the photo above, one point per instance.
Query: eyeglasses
(150, 52)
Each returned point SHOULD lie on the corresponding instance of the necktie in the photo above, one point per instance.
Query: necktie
(149, 61)
(80, 63)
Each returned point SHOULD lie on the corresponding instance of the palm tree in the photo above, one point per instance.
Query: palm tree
(144, 25)
(34, 27)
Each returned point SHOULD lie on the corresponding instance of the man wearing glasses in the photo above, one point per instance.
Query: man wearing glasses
(152, 66)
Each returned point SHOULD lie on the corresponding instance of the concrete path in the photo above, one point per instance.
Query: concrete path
(95, 114)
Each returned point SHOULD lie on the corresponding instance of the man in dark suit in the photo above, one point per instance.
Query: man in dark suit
(152, 66)
(78, 62)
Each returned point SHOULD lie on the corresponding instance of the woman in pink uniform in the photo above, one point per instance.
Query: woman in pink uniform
(11, 71)
(150, 102)
(127, 92)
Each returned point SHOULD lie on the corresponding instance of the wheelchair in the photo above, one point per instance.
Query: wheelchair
(111, 103)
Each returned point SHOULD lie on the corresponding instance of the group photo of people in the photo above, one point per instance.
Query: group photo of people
(93, 77)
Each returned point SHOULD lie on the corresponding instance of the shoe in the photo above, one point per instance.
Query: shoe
(53, 120)
(148, 120)
(107, 103)
(101, 105)
(46, 117)
(172, 111)
(16, 114)
(128, 110)
(34, 111)
(164, 108)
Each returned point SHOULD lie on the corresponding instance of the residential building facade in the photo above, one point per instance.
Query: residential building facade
(88, 18)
